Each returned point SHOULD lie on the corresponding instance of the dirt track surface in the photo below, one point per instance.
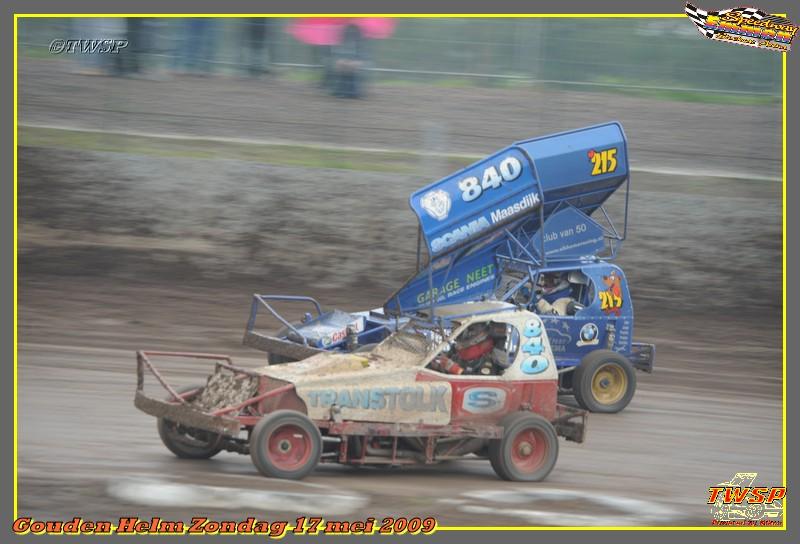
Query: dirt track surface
(120, 252)
(711, 409)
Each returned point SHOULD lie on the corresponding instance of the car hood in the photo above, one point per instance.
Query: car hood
(380, 386)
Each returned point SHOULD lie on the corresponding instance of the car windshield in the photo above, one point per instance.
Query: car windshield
(414, 342)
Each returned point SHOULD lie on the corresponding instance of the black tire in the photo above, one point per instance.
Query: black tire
(565, 380)
(532, 432)
(604, 382)
(285, 444)
(483, 451)
(355, 447)
(188, 442)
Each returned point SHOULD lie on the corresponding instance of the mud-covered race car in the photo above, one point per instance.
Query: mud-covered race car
(409, 400)
(528, 225)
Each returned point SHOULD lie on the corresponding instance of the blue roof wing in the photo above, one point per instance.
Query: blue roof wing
(481, 198)
(558, 180)
(582, 167)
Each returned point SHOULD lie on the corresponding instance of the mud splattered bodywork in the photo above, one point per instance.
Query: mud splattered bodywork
(396, 404)
(381, 386)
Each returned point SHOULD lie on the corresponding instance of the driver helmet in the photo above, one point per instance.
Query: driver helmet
(550, 282)
(475, 334)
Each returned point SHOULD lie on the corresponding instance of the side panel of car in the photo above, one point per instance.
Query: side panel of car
(529, 383)
(605, 323)
(400, 399)
(479, 400)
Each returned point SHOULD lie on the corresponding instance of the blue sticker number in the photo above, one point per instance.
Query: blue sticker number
(533, 328)
(535, 365)
(534, 346)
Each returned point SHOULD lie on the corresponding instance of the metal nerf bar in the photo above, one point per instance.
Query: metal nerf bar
(515, 288)
(143, 361)
(520, 246)
(180, 411)
(262, 299)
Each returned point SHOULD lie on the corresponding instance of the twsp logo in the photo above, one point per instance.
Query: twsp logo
(739, 502)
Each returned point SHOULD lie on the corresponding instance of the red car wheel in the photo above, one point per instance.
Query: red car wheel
(528, 450)
(285, 444)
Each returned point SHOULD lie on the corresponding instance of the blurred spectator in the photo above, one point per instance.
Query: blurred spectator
(196, 48)
(258, 35)
(348, 60)
(92, 28)
(129, 62)
(146, 52)
(340, 47)
(322, 55)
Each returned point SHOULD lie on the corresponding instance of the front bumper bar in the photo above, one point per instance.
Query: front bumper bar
(643, 357)
(570, 423)
(177, 409)
(186, 415)
(278, 346)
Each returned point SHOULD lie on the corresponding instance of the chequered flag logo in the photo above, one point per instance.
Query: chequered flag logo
(700, 18)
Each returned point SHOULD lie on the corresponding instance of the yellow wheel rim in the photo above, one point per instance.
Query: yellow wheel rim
(609, 383)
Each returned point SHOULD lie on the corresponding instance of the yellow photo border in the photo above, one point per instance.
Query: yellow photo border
(429, 16)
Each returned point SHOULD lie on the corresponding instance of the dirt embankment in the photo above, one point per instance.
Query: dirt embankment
(708, 246)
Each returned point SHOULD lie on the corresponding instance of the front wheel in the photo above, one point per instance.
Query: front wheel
(604, 382)
(285, 444)
(188, 442)
(528, 450)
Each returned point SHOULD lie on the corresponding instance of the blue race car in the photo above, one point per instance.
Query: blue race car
(532, 225)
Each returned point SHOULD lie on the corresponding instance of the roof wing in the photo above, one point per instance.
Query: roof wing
(473, 202)
(494, 209)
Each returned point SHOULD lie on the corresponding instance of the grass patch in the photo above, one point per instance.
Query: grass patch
(704, 97)
(309, 156)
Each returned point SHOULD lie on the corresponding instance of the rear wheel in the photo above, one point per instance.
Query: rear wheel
(285, 444)
(528, 450)
(189, 442)
(604, 382)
